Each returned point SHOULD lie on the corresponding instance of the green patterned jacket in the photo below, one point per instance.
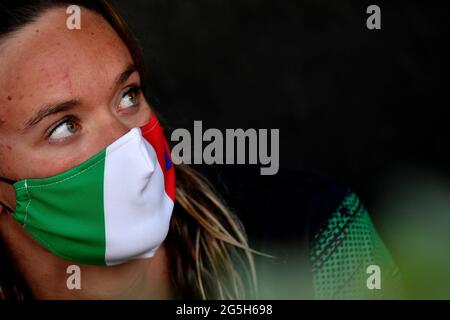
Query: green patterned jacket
(322, 239)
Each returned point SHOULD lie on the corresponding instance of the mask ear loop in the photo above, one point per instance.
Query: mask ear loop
(7, 194)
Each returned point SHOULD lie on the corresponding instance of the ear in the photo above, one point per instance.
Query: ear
(7, 196)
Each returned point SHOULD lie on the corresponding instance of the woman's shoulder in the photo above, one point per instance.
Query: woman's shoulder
(349, 259)
(318, 214)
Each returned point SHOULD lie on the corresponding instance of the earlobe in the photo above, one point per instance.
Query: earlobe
(7, 197)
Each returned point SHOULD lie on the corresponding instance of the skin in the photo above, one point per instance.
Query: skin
(45, 64)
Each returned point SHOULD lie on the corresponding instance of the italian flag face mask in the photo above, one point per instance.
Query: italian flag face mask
(112, 208)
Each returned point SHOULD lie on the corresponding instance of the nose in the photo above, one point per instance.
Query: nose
(116, 130)
(110, 128)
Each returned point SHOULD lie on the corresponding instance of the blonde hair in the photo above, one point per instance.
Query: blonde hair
(214, 248)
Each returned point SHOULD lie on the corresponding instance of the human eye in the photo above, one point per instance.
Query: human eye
(65, 129)
(130, 98)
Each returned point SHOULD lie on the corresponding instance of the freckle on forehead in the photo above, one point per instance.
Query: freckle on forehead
(9, 98)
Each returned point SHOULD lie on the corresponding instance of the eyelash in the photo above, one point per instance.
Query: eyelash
(136, 90)
(63, 121)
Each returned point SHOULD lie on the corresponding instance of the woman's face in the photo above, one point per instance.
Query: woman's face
(65, 95)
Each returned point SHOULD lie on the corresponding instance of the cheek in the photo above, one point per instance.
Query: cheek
(44, 167)
(17, 163)
(139, 119)
(5, 149)
(7, 160)
(145, 115)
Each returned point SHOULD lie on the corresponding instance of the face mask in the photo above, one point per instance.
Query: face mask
(112, 208)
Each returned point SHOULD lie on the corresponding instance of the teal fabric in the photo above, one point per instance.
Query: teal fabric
(344, 252)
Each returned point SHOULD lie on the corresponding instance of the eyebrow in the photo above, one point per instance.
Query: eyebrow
(49, 110)
(131, 68)
(69, 105)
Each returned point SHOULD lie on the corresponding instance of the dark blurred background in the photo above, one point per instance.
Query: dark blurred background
(354, 104)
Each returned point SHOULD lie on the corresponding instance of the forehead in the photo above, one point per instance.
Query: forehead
(46, 61)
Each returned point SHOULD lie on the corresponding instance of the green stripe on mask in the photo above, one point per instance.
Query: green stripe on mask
(73, 232)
